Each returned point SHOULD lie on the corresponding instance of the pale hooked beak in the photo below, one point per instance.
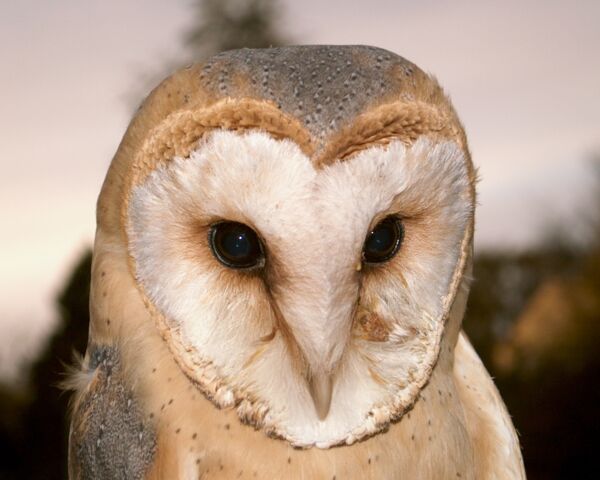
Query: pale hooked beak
(321, 388)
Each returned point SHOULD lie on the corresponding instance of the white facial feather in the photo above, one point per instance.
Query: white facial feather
(314, 223)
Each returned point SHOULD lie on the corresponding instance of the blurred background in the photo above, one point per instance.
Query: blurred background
(525, 79)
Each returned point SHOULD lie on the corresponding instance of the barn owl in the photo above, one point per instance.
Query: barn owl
(280, 271)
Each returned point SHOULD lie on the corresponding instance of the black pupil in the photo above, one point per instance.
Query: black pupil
(383, 241)
(235, 244)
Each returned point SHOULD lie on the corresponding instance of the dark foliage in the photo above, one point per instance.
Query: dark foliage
(503, 282)
(35, 445)
(558, 419)
(554, 405)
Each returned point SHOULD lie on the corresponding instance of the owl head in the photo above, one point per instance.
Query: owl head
(298, 222)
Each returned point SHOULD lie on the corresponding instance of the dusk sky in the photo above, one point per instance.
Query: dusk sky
(523, 75)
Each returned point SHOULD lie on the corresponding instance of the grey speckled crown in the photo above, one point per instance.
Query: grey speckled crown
(323, 86)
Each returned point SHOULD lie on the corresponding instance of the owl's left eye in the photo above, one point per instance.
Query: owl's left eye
(383, 242)
(235, 245)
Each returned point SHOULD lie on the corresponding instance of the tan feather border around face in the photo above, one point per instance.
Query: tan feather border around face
(397, 120)
(179, 133)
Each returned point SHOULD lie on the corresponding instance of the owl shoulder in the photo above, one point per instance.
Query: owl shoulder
(109, 437)
(497, 451)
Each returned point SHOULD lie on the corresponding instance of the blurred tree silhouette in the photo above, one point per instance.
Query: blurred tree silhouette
(35, 444)
(228, 24)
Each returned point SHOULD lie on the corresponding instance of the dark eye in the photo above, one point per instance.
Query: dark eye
(383, 242)
(235, 245)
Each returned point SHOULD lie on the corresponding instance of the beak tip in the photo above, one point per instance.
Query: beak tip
(321, 388)
(322, 415)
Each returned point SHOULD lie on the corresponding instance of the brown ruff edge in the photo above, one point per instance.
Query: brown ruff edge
(397, 120)
(176, 136)
(179, 133)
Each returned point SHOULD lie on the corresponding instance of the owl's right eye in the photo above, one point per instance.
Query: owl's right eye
(236, 245)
